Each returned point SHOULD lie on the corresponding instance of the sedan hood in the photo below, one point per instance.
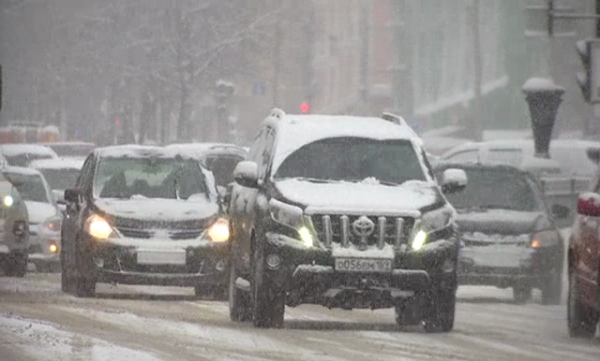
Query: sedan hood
(359, 197)
(498, 221)
(39, 212)
(161, 210)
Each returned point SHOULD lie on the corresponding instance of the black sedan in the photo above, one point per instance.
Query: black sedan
(144, 215)
(509, 236)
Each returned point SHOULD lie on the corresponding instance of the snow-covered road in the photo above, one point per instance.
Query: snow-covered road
(38, 322)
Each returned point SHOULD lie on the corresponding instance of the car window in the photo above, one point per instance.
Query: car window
(31, 187)
(354, 159)
(222, 168)
(465, 156)
(512, 157)
(167, 178)
(60, 178)
(86, 171)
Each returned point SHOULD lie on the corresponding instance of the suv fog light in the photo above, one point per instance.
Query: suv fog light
(220, 266)
(273, 261)
(448, 266)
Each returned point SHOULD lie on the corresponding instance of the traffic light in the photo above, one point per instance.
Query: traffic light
(589, 79)
(304, 108)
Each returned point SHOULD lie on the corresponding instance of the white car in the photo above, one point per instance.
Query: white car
(20, 155)
(45, 218)
(61, 174)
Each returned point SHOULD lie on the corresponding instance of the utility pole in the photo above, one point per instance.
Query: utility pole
(477, 113)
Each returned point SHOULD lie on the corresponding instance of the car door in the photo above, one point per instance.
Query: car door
(586, 247)
(73, 210)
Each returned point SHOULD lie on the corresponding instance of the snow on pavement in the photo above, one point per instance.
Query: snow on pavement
(48, 342)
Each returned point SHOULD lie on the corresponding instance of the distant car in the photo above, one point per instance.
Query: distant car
(60, 174)
(45, 217)
(583, 304)
(78, 150)
(144, 215)
(220, 158)
(509, 237)
(14, 231)
(20, 155)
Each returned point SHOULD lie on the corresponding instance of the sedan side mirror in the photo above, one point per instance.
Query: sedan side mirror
(453, 180)
(246, 174)
(72, 195)
(560, 212)
(588, 204)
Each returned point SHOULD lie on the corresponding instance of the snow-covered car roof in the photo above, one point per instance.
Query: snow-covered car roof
(203, 149)
(12, 150)
(295, 131)
(140, 151)
(60, 163)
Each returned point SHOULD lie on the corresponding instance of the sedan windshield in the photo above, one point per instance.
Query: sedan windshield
(60, 178)
(171, 178)
(31, 187)
(354, 159)
(497, 189)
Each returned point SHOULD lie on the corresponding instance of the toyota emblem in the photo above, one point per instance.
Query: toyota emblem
(363, 227)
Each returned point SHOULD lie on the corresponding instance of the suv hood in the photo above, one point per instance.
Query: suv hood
(359, 197)
(498, 221)
(162, 210)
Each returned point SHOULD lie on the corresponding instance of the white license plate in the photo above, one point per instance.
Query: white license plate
(363, 265)
(4, 248)
(158, 257)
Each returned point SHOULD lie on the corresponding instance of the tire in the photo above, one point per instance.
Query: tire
(66, 272)
(84, 287)
(440, 311)
(521, 294)
(268, 303)
(552, 289)
(581, 319)
(16, 266)
(407, 313)
(84, 282)
(239, 300)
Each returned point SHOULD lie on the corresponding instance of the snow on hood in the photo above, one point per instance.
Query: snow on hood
(39, 212)
(158, 209)
(358, 198)
(501, 221)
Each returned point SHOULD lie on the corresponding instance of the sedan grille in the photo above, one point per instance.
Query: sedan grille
(172, 234)
(363, 231)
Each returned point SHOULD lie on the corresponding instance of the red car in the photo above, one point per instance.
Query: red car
(584, 265)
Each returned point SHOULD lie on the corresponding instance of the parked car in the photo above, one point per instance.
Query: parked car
(20, 155)
(45, 217)
(508, 233)
(144, 215)
(77, 150)
(60, 174)
(14, 235)
(220, 158)
(583, 304)
(342, 212)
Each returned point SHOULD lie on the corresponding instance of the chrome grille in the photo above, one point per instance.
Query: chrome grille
(338, 229)
(171, 234)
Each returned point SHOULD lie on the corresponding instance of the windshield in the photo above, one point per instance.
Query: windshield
(31, 187)
(170, 178)
(497, 189)
(72, 150)
(60, 178)
(354, 159)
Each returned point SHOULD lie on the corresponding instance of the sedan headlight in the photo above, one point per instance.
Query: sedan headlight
(292, 217)
(52, 224)
(219, 231)
(99, 228)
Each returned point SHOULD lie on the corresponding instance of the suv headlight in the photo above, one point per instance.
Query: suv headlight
(99, 228)
(432, 222)
(219, 231)
(291, 217)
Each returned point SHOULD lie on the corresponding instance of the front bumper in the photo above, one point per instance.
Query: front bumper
(40, 252)
(309, 275)
(126, 261)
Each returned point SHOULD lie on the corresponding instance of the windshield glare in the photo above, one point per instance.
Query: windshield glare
(167, 178)
(497, 189)
(30, 187)
(393, 161)
(60, 178)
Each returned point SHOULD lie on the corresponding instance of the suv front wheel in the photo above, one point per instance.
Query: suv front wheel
(268, 301)
(441, 310)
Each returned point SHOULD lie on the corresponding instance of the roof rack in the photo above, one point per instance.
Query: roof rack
(277, 113)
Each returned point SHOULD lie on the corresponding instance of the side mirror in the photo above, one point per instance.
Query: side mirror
(72, 195)
(588, 204)
(246, 174)
(59, 196)
(453, 180)
(560, 212)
